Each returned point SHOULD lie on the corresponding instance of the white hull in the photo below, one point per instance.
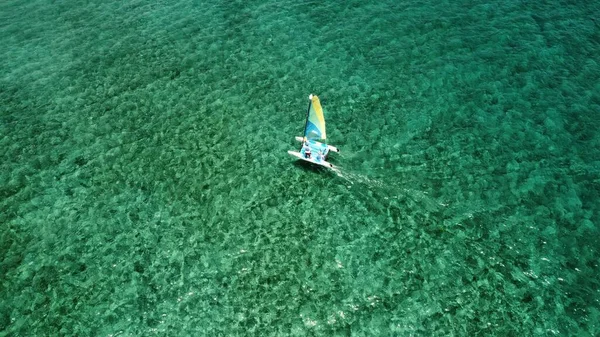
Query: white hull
(310, 160)
(331, 148)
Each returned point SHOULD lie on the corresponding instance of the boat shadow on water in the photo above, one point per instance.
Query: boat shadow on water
(311, 167)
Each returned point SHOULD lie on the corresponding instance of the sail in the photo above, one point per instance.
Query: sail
(315, 121)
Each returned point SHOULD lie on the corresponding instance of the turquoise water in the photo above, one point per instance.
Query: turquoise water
(145, 187)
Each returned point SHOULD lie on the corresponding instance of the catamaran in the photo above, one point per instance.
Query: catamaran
(314, 143)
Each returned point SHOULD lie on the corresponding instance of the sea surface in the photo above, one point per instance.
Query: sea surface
(145, 188)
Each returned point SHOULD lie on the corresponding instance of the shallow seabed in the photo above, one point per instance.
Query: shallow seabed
(145, 187)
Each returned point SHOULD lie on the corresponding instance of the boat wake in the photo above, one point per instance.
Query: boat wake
(389, 190)
(357, 178)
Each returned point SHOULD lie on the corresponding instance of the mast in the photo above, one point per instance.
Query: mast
(307, 115)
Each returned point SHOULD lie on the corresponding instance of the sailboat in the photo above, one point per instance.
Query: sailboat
(314, 142)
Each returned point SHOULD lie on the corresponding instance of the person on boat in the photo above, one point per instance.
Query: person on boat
(306, 149)
(307, 153)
